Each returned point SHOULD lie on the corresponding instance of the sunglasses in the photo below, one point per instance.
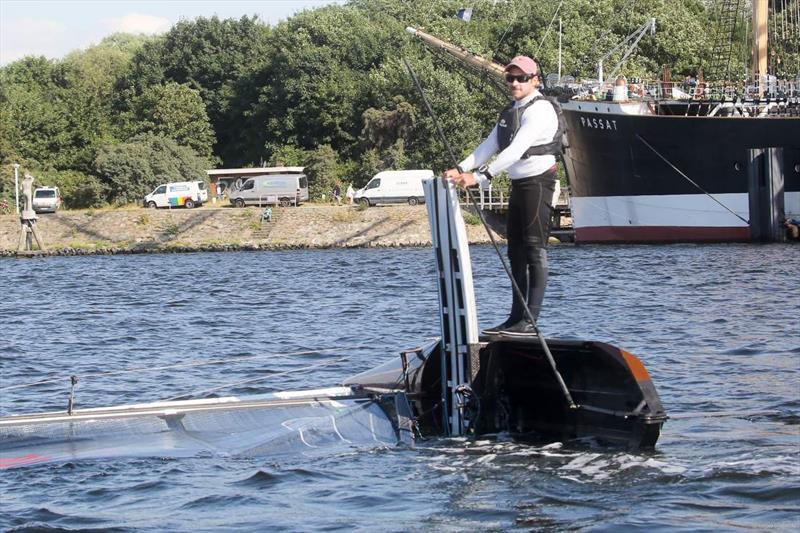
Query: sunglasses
(521, 78)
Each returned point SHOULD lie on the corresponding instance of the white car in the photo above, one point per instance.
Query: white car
(46, 199)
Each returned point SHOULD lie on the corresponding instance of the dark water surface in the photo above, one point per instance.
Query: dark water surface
(717, 327)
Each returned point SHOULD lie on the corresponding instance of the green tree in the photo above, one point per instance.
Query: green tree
(91, 75)
(316, 85)
(385, 126)
(369, 164)
(288, 156)
(211, 55)
(323, 169)
(132, 169)
(97, 68)
(56, 114)
(34, 125)
(174, 111)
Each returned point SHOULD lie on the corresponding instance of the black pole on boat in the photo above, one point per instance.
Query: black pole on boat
(73, 380)
(517, 290)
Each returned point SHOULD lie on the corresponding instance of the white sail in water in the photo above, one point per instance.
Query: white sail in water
(265, 425)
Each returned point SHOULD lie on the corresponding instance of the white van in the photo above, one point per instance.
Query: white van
(394, 187)
(46, 200)
(182, 193)
(271, 189)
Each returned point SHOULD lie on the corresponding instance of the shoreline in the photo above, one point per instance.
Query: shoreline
(128, 231)
(67, 252)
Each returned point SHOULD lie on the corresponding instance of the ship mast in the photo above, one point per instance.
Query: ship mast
(760, 13)
(482, 64)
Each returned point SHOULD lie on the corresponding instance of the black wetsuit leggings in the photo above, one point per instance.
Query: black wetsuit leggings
(528, 228)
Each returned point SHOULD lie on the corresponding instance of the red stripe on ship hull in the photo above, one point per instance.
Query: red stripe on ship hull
(662, 234)
(31, 458)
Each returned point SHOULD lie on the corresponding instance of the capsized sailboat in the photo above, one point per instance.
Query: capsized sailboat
(458, 385)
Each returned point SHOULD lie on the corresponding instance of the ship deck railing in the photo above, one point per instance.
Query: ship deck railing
(768, 88)
(493, 199)
(496, 199)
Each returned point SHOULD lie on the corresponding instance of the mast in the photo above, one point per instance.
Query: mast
(559, 49)
(482, 64)
(458, 315)
(760, 13)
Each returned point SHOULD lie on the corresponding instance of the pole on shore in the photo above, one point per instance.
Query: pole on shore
(16, 187)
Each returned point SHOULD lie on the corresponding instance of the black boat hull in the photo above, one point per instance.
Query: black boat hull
(623, 190)
(515, 391)
(617, 402)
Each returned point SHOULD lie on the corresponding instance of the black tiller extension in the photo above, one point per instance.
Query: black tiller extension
(516, 288)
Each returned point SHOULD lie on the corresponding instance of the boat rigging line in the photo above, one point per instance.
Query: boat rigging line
(549, 27)
(518, 292)
(505, 32)
(484, 75)
(600, 40)
(687, 178)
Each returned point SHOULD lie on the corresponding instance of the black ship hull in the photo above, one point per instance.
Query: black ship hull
(624, 165)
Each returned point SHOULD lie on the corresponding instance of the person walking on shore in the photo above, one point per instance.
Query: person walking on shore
(351, 193)
(525, 141)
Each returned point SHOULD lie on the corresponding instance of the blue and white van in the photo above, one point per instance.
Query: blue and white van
(186, 194)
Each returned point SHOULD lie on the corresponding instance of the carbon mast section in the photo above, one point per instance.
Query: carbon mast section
(458, 315)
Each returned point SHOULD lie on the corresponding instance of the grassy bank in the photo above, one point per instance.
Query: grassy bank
(138, 230)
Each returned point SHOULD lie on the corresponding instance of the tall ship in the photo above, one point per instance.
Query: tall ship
(699, 161)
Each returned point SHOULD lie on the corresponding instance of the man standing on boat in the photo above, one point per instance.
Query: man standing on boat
(525, 141)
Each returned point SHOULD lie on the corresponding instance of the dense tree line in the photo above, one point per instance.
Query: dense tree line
(325, 89)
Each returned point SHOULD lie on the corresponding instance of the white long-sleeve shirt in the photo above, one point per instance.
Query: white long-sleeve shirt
(538, 125)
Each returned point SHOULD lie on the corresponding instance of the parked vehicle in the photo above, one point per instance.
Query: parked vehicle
(46, 199)
(271, 189)
(188, 194)
(394, 187)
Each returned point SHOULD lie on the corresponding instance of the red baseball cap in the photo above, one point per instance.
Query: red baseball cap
(525, 64)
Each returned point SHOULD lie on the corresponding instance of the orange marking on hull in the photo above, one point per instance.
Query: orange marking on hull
(8, 462)
(637, 368)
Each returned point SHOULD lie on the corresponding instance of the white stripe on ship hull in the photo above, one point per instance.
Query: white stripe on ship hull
(660, 210)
